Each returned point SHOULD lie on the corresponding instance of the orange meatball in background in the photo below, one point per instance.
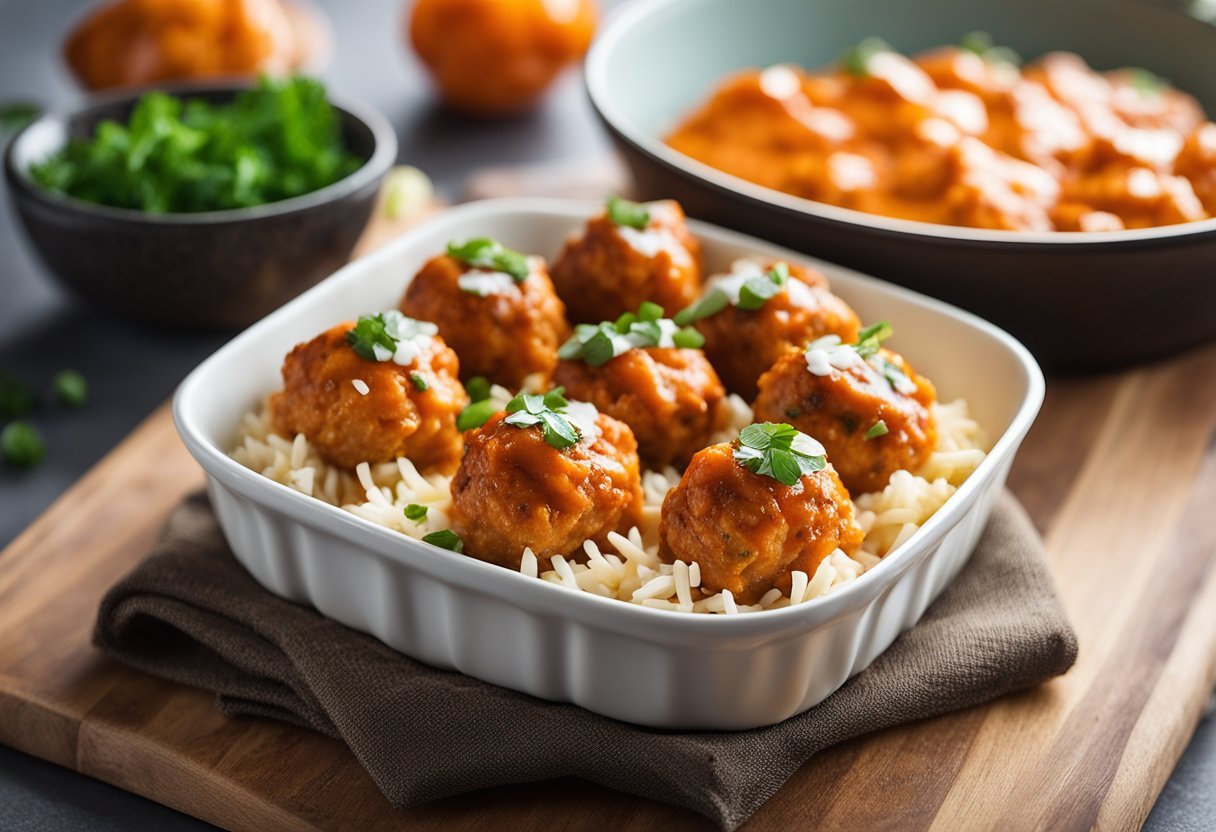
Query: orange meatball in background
(511, 331)
(840, 401)
(670, 398)
(742, 344)
(494, 58)
(747, 532)
(323, 398)
(610, 268)
(514, 490)
(139, 42)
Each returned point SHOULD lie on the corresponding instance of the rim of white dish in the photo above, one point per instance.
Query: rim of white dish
(599, 89)
(530, 593)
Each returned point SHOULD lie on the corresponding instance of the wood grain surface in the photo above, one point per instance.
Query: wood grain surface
(1119, 474)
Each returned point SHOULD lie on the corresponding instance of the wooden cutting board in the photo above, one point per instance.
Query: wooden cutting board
(1119, 474)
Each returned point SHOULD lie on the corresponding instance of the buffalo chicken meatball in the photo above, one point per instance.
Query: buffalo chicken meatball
(871, 412)
(514, 489)
(630, 254)
(671, 398)
(372, 392)
(495, 307)
(746, 331)
(748, 531)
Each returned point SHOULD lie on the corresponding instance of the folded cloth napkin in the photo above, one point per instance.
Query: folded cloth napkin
(190, 613)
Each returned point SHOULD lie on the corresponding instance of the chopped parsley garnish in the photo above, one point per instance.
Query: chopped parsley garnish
(981, 44)
(1144, 82)
(756, 291)
(445, 539)
(278, 140)
(548, 411)
(630, 214)
(419, 381)
(415, 512)
(877, 429)
(856, 59)
(385, 330)
(779, 451)
(484, 253)
(15, 115)
(597, 344)
(71, 388)
(870, 339)
(16, 397)
(21, 445)
(478, 388)
(475, 415)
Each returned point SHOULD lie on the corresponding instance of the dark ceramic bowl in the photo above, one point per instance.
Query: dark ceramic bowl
(216, 269)
(1080, 301)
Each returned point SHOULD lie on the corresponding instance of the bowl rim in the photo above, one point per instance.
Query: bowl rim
(529, 593)
(382, 157)
(599, 90)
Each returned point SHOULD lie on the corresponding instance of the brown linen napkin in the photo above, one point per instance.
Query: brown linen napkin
(190, 613)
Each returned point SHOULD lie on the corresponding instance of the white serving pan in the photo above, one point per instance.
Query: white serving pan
(652, 667)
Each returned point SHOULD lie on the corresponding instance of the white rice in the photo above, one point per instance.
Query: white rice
(629, 568)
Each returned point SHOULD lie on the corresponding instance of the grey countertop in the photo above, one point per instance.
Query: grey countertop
(131, 370)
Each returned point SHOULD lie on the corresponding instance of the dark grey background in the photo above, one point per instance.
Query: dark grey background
(132, 370)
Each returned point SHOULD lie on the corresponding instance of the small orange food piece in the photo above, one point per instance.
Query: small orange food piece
(357, 410)
(747, 532)
(138, 42)
(496, 57)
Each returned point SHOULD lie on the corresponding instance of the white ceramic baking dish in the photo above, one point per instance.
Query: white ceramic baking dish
(648, 666)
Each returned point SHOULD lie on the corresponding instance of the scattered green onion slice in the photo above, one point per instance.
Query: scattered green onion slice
(630, 214)
(445, 539)
(856, 59)
(16, 397)
(597, 344)
(1144, 82)
(756, 291)
(547, 411)
(71, 388)
(877, 429)
(710, 303)
(475, 415)
(415, 512)
(981, 44)
(484, 253)
(478, 388)
(870, 339)
(419, 381)
(21, 445)
(779, 451)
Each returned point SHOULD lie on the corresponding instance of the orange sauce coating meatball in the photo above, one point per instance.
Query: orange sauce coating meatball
(320, 399)
(610, 269)
(839, 408)
(671, 399)
(511, 331)
(748, 532)
(513, 490)
(742, 344)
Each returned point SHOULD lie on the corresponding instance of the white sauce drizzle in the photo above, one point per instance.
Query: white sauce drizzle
(583, 416)
(826, 354)
(743, 269)
(411, 337)
(482, 283)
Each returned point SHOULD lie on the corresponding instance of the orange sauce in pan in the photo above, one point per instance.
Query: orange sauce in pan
(956, 138)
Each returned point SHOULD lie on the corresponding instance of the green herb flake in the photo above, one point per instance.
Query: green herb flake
(21, 445)
(415, 512)
(710, 303)
(71, 388)
(597, 344)
(870, 339)
(688, 338)
(1144, 82)
(371, 331)
(478, 388)
(276, 141)
(15, 115)
(484, 253)
(981, 43)
(629, 214)
(756, 291)
(779, 451)
(475, 415)
(549, 412)
(419, 381)
(445, 539)
(16, 397)
(877, 429)
(856, 59)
